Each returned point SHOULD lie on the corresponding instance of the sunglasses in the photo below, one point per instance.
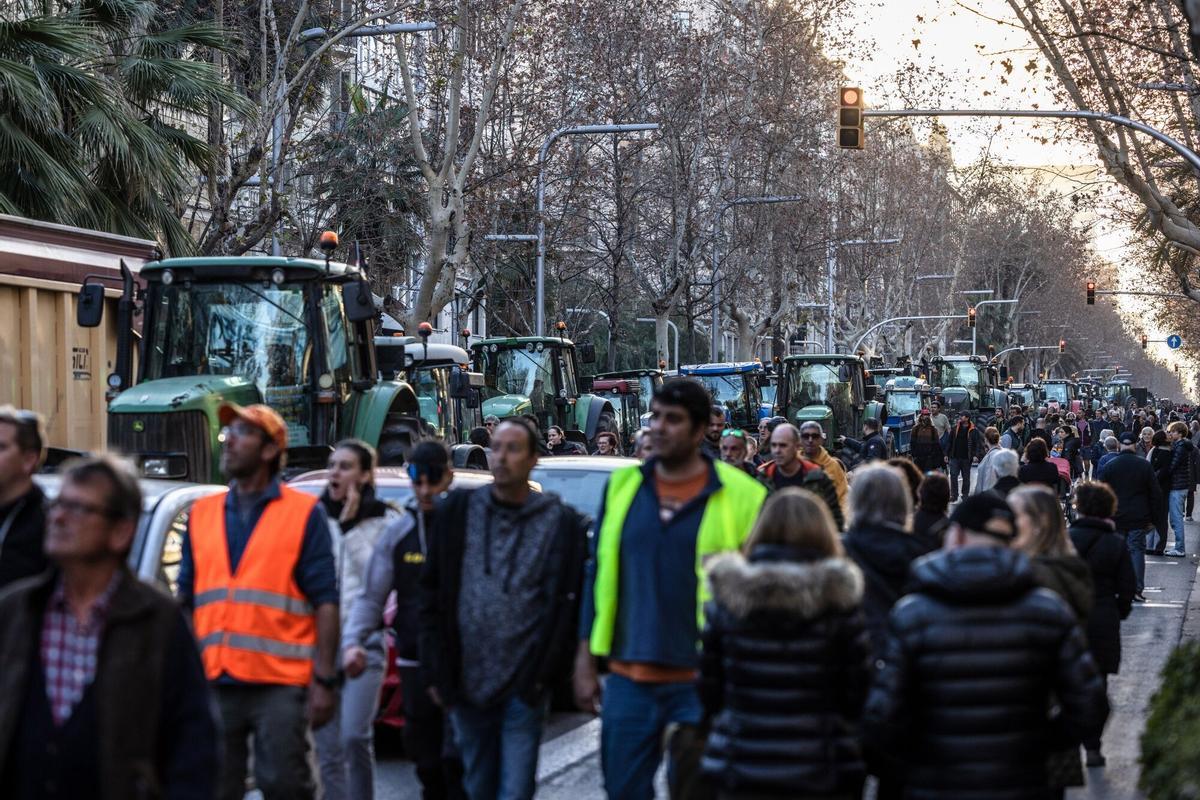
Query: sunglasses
(738, 432)
(431, 472)
(810, 436)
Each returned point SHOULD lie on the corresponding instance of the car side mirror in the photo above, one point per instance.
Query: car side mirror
(89, 309)
(763, 379)
(474, 398)
(360, 305)
(844, 373)
(871, 391)
(587, 384)
(587, 352)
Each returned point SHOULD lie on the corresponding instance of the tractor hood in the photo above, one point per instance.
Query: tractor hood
(190, 393)
(507, 405)
(813, 414)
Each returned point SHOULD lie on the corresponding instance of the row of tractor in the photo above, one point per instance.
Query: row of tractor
(303, 336)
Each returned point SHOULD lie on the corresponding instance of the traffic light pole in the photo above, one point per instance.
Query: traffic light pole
(1189, 155)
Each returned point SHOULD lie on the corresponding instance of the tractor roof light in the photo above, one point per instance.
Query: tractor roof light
(328, 242)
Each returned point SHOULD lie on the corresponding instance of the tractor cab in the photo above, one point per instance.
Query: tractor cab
(625, 396)
(905, 398)
(539, 376)
(830, 389)
(648, 381)
(735, 387)
(970, 383)
(296, 334)
(1061, 395)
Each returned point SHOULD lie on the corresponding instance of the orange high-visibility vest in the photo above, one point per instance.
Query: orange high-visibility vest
(255, 625)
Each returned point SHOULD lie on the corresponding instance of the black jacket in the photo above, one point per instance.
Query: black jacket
(439, 642)
(21, 553)
(926, 449)
(1042, 472)
(964, 441)
(1004, 486)
(154, 729)
(1113, 586)
(883, 553)
(783, 674)
(974, 656)
(871, 448)
(1139, 496)
(930, 528)
(1178, 472)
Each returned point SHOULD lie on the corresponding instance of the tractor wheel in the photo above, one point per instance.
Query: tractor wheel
(398, 438)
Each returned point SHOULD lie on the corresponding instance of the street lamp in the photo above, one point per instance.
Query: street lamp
(577, 130)
(974, 331)
(280, 120)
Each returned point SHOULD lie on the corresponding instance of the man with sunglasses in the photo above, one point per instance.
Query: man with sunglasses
(812, 443)
(258, 573)
(22, 504)
(102, 693)
(788, 468)
(734, 450)
(396, 565)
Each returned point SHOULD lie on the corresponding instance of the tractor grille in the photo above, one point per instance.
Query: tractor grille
(176, 434)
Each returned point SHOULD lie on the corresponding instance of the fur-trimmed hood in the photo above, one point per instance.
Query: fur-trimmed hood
(807, 589)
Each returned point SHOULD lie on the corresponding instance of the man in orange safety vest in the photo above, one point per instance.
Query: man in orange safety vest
(258, 574)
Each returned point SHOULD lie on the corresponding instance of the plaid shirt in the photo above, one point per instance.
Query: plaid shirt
(70, 649)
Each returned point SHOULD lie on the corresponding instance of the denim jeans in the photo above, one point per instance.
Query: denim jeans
(632, 720)
(499, 748)
(345, 745)
(1135, 540)
(1175, 506)
(960, 466)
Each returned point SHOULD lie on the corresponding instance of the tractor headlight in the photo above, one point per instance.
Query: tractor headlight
(168, 277)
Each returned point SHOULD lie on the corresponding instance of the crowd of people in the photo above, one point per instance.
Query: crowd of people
(785, 626)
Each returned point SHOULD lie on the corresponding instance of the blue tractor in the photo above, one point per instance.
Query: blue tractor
(904, 398)
(736, 387)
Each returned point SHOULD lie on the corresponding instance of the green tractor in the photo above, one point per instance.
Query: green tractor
(648, 382)
(829, 389)
(296, 334)
(447, 391)
(971, 384)
(539, 376)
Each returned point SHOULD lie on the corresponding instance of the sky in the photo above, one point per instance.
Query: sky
(941, 39)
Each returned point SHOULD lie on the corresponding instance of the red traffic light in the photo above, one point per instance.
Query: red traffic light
(1144, 341)
(1062, 345)
(971, 317)
(850, 132)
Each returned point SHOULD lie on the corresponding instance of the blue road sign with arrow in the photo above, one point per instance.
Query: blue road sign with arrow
(1174, 341)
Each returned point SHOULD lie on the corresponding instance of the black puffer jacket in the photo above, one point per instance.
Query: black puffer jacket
(883, 553)
(1179, 469)
(784, 673)
(973, 657)
(1113, 587)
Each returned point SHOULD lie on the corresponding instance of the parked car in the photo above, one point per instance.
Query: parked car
(157, 545)
(579, 480)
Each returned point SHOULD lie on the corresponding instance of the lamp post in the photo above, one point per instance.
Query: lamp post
(577, 130)
(974, 336)
(280, 119)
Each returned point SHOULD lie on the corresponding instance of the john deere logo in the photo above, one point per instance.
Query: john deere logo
(138, 426)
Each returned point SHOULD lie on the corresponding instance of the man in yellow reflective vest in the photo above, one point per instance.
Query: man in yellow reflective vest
(259, 576)
(646, 589)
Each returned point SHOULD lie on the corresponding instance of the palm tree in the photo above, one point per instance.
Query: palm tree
(94, 101)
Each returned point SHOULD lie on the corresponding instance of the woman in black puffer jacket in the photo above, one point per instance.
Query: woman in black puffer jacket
(1113, 581)
(786, 660)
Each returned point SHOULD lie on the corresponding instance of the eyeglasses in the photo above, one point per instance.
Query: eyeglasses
(74, 508)
(738, 432)
(810, 436)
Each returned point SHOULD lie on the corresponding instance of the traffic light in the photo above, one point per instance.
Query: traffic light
(1091, 293)
(1062, 345)
(971, 317)
(1144, 341)
(850, 118)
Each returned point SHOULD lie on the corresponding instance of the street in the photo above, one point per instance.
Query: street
(569, 766)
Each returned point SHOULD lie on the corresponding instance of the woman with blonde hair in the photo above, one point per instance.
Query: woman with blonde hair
(786, 659)
(1042, 536)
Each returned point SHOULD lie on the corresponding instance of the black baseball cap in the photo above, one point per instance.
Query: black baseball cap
(985, 513)
(1128, 437)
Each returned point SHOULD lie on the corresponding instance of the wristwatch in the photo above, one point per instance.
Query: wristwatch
(331, 683)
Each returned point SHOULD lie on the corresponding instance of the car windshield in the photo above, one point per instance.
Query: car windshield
(819, 384)
(253, 332)
(520, 371)
(958, 373)
(1025, 396)
(899, 403)
(431, 396)
(581, 489)
(1057, 392)
(768, 394)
